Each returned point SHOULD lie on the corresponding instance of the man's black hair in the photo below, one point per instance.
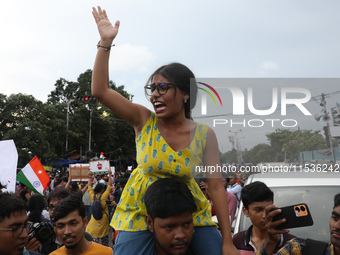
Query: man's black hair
(167, 197)
(10, 203)
(256, 192)
(74, 186)
(36, 204)
(59, 193)
(232, 175)
(336, 200)
(68, 205)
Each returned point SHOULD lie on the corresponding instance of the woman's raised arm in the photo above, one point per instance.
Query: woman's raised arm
(135, 114)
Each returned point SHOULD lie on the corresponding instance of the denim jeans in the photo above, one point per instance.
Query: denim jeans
(206, 240)
(88, 211)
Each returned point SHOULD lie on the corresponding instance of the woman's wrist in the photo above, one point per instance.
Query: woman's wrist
(105, 42)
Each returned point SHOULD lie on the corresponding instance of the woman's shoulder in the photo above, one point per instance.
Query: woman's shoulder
(150, 124)
(202, 129)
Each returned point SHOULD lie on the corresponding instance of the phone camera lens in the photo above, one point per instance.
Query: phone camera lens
(303, 208)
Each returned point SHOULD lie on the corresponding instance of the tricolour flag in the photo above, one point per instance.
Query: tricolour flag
(34, 176)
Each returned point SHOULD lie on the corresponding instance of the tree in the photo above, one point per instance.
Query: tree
(261, 153)
(109, 133)
(24, 123)
(288, 144)
(229, 157)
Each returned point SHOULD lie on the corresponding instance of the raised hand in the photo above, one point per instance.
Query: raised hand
(106, 31)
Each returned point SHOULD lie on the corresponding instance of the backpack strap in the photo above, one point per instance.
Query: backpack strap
(313, 247)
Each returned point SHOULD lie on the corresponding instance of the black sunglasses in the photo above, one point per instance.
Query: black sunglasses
(162, 88)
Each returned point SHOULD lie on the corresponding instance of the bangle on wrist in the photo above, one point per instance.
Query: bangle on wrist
(105, 48)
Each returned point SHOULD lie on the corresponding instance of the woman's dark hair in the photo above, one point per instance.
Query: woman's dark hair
(99, 187)
(167, 197)
(36, 204)
(184, 79)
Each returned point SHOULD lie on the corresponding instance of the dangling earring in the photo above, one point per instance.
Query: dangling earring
(185, 99)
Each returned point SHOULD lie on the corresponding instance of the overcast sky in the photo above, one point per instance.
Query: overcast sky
(42, 41)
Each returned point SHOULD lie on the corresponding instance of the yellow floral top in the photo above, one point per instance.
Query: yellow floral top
(156, 160)
(99, 228)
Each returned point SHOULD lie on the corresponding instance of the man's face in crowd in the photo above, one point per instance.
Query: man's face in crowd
(256, 213)
(70, 229)
(226, 182)
(13, 243)
(334, 226)
(232, 181)
(172, 234)
(52, 205)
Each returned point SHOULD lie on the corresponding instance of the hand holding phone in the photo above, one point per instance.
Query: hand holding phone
(296, 216)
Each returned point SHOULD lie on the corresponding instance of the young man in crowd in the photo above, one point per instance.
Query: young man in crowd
(256, 197)
(299, 246)
(234, 187)
(70, 223)
(170, 205)
(14, 228)
(52, 243)
(232, 201)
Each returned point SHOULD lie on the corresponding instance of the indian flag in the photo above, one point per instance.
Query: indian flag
(34, 176)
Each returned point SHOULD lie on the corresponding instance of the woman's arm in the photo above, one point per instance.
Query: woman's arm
(110, 178)
(89, 185)
(218, 193)
(83, 190)
(135, 114)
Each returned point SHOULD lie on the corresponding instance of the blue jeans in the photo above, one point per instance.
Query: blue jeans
(88, 211)
(206, 240)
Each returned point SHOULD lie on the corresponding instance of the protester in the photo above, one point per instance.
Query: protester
(255, 197)
(234, 187)
(232, 201)
(87, 202)
(64, 181)
(37, 214)
(36, 207)
(14, 227)
(24, 192)
(52, 200)
(73, 186)
(164, 140)
(70, 223)
(170, 205)
(99, 228)
(300, 246)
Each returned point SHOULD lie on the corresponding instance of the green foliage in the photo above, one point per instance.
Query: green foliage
(288, 144)
(40, 128)
(285, 145)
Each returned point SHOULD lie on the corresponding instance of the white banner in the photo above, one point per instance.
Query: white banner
(9, 162)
